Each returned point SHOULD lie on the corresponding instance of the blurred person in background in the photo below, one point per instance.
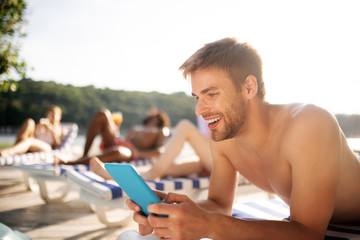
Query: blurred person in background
(141, 141)
(37, 137)
(164, 165)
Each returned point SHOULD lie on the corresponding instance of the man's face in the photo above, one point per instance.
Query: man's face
(219, 103)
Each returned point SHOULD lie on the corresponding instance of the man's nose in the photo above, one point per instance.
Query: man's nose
(201, 107)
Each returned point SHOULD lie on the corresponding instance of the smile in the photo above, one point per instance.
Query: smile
(213, 120)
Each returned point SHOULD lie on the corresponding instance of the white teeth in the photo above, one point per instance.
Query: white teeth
(213, 120)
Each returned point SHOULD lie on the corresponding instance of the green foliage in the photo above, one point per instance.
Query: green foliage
(8, 85)
(80, 103)
(12, 22)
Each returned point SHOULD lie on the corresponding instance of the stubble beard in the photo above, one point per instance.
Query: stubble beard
(235, 119)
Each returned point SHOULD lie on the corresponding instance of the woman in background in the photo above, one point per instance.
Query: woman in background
(164, 164)
(43, 136)
(142, 141)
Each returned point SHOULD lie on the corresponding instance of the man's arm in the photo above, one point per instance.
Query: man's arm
(311, 146)
(57, 138)
(220, 199)
(223, 181)
(312, 150)
(188, 220)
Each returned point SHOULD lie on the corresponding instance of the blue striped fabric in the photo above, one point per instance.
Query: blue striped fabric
(196, 183)
(116, 191)
(176, 183)
(276, 209)
(104, 189)
(141, 162)
(265, 209)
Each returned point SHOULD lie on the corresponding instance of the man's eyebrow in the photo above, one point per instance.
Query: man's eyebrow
(205, 91)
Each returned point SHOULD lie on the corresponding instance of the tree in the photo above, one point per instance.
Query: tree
(79, 104)
(12, 21)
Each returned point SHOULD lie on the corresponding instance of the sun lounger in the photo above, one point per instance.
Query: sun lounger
(37, 176)
(102, 194)
(275, 209)
(271, 209)
(42, 157)
(37, 157)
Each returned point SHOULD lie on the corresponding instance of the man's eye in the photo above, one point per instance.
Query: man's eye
(196, 99)
(212, 94)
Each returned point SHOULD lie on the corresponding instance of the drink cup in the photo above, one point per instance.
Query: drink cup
(117, 117)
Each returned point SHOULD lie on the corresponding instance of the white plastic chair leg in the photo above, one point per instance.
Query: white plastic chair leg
(101, 213)
(30, 183)
(46, 196)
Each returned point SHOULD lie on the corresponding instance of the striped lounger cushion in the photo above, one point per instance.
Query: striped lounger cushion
(109, 190)
(272, 209)
(275, 209)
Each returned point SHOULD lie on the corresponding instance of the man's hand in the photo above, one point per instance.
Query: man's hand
(186, 220)
(144, 226)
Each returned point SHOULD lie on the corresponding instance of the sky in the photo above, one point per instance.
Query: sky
(310, 48)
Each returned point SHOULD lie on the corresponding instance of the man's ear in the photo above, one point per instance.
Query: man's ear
(250, 86)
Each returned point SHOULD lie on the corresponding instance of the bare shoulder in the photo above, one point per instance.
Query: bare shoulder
(309, 126)
(310, 118)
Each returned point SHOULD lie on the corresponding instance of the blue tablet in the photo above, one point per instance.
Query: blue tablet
(132, 184)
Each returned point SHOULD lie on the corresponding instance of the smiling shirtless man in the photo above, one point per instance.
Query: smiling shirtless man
(296, 151)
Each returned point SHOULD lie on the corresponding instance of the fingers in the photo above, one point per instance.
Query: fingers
(162, 233)
(175, 198)
(132, 206)
(158, 222)
(144, 226)
(172, 206)
(168, 205)
(139, 218)
(145, 230)
(161, 195)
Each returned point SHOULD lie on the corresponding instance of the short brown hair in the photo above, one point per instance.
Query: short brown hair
(237, 59)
